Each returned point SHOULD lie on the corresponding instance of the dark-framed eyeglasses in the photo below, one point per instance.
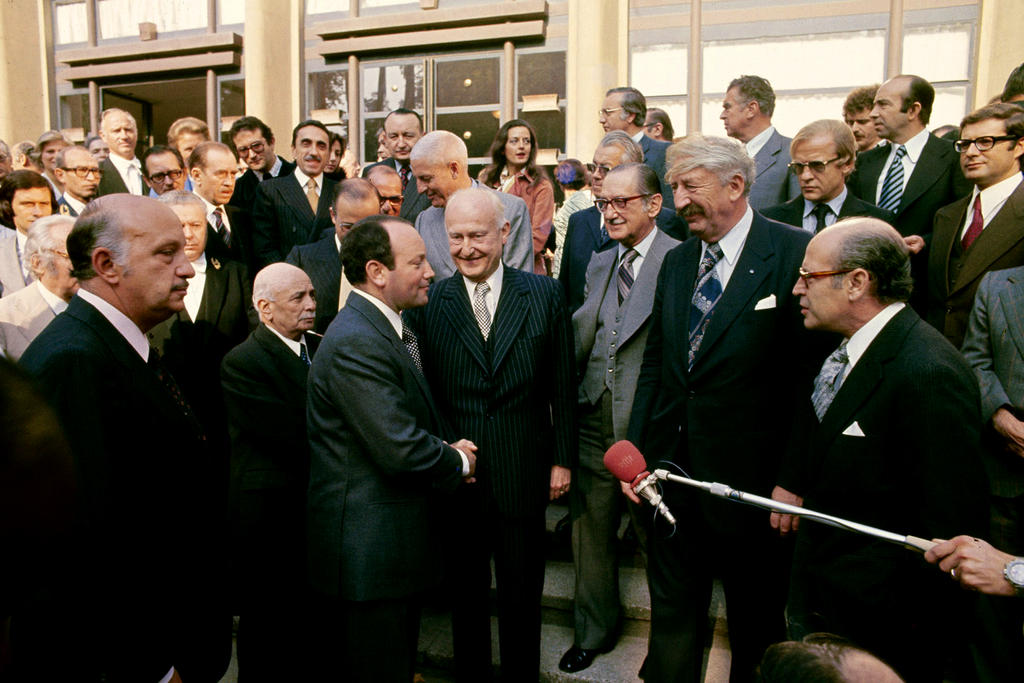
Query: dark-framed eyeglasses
(618, 203)
(254, 147)
(162, 176)
(983, 144)
(84, 172)
(796, 167)
(807, 277)
(394, 199)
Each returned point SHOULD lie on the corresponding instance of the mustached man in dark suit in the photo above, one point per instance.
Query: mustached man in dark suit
(823, 155)
(321, 260)
(377, 460)
(402, 130)
(891, 438)
(721, 372)
(254, 144)
(625, 109)
(497, 346)
(148, 519)
(264, 385)
(294, 209)
(122, 170)
(587, 234)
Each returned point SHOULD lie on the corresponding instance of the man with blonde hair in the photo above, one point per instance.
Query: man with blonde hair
(823, 155)
(122, 171)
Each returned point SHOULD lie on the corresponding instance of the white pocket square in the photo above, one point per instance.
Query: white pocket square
(767, 302)
(853, 430)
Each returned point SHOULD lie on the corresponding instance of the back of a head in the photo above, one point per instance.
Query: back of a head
(99, 225)
(921, 91)
(368, 240)
(875, 246)
(571, 174)
(632, 152)
(822, 658)
(187, 125)
(860, 99)
(1013, 91)
(655, 115)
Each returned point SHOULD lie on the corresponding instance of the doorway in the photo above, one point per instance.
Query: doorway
(156, 106)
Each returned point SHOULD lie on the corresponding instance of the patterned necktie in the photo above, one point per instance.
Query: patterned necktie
(135, 184)
(626, 273)
(892, 188)
(311, 195)
(974, 229)
(483, 316)
(828, 381)
(172, 387)
(303, 356)
(706, 293)
(413, 344)
(218, 224)
(604, 233)
(821, 212)
(405, 174)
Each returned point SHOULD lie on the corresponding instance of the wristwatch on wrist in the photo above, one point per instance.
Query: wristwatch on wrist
(1014, 573)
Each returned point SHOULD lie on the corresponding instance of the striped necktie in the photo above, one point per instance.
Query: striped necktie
(706, 294)
(626, 273)
(892, 188)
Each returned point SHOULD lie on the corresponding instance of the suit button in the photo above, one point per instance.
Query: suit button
(611, 370)
(614, 332)
(691, 394)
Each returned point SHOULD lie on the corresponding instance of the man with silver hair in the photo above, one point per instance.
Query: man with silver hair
(24, 314)
(721, 373)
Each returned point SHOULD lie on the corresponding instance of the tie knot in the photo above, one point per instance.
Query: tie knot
(840, 355)
(901, 151)
(482, 288)
(630, 256)
(714, 251)
(311, 184)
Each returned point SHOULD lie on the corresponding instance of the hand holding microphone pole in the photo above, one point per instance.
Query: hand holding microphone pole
(627, 464)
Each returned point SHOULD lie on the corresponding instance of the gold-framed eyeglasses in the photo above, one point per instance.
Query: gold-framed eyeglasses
(808, 276)
(796, 167)
(608, 112)
(84, 172)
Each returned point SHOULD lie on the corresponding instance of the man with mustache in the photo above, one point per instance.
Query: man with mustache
(147, 514)
(294, 209)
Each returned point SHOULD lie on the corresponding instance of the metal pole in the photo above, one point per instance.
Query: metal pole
(894, 51)
(694, 70)
(94, 88)
(211, 77)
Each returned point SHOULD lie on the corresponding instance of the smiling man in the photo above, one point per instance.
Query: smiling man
(122, 171)
(823, 155)
(294, 209)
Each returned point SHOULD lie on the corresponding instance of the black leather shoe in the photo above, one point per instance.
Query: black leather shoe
(578, 659)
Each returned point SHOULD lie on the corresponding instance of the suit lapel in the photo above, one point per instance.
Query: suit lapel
(998, 237)
(214, 294)
(927, 171)
(285, 359)
(513, 305)
(295, 198)
(35, 312)
(458, 311)
(767, 155)
(384, 328)
(641, 294)
(869, 168)
(1011, 299)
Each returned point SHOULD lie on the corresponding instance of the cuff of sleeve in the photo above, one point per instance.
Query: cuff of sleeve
(465, 462)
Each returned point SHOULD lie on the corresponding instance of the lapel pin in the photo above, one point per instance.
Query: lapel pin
(751, 271)
(216, 264)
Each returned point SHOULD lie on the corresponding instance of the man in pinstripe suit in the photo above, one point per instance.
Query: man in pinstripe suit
(498, 356)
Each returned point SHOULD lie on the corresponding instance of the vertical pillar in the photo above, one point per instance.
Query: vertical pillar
(597, 59)
(508, 85)
(94, 88)
(998, 48)
(25, 106)
(894, 51)
(274, 64)
(694, 70)
(355, 110)
(211, 78)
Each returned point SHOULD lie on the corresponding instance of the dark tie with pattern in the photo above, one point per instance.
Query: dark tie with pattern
(626, 273)
(404, 173)
(412, 343)
(218, 224)
(892, 188)
(706, 293)
(976, 226)
(172, 387)
(303, 356)
(483, 316)
(821, 212)
(828, 381)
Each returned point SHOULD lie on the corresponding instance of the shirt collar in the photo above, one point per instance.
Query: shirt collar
(836, 203)
(56, 304)
(996, 194)
(295, 346)
(393, 316)
(732, 243)
(303, 179)
(915, 145)
(78, 206)
(210, 208)
(862, 338)
(641, 247)
(122, 164)
(755, 143)
(275, 170)
(122, 323)
(494, 282)
(199, 265)
(638, 137)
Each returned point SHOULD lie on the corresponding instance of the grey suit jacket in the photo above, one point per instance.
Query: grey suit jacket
(11, 277)
(994, 347)
(23, 315)
(773, 184)
(518, 252)
(630, 330)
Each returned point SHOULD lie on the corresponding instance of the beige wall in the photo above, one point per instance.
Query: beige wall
(1000, 49)
(26, 90)
(275, 75)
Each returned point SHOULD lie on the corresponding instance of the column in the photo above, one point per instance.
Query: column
(25, 107)
(274, 65)
(999, 50)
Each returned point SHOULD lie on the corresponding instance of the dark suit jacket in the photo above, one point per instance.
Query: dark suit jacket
(654, 156)
(281, 218)
(111, 181)
(954, 276)
(413, 201)
(792, 212)
(916, 470)
(241, 249)
(245, 187)
(513, 395)
(322, 264)
(264, 385)
(773, 184)
(147, 528)
(583, 239)
(994, 347)
(936, 181)
(65, 209)
(727, 419)
(376, 455)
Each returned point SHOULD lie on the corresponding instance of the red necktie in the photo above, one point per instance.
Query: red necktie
(976, 225)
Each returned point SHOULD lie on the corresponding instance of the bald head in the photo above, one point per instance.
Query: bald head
(389, 186)
(477, 232)
(283, 296)
(440, 163)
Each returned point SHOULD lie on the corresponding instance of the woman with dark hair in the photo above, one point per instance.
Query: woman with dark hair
(335, 151)
(514, 170)
(574, 178)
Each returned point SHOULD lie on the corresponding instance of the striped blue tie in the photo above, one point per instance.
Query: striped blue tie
(706, 294)
(892, 188)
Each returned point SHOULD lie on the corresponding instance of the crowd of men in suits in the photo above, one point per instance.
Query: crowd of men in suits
(310, 402)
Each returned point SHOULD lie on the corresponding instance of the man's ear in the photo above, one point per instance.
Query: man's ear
(104, 266)
(859, 284)
(377, 273)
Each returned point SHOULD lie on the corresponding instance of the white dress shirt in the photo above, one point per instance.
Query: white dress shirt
(491, 298)
(196, 285)
(836, 204)
(915, 146)
(132, 179)
(862, 338)
(274, 171)
(294, 346)
(641, 248)
(122, 323)
(210, 208)
(56, 304)
(992, 199)
(732, 247)
(755, 143)
(302, 179)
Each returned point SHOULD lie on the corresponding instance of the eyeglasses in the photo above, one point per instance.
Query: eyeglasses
(984, 143)
(84, 172)
(807, 277)
(608, 112)
(618, 203)
(58, 252)
(601, 170)
(164, 175)
(816, 167)
(396, 199)
(255, 148)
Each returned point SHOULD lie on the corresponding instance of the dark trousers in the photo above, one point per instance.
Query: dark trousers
(752, 563)
(517, 546)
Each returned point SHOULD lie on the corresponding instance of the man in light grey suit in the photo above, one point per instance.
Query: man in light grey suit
(611, 333)
(747, 114)
(994, 347)
(24, 314)
(440, 163)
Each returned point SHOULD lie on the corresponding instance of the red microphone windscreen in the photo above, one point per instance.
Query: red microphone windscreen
(624, 461)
